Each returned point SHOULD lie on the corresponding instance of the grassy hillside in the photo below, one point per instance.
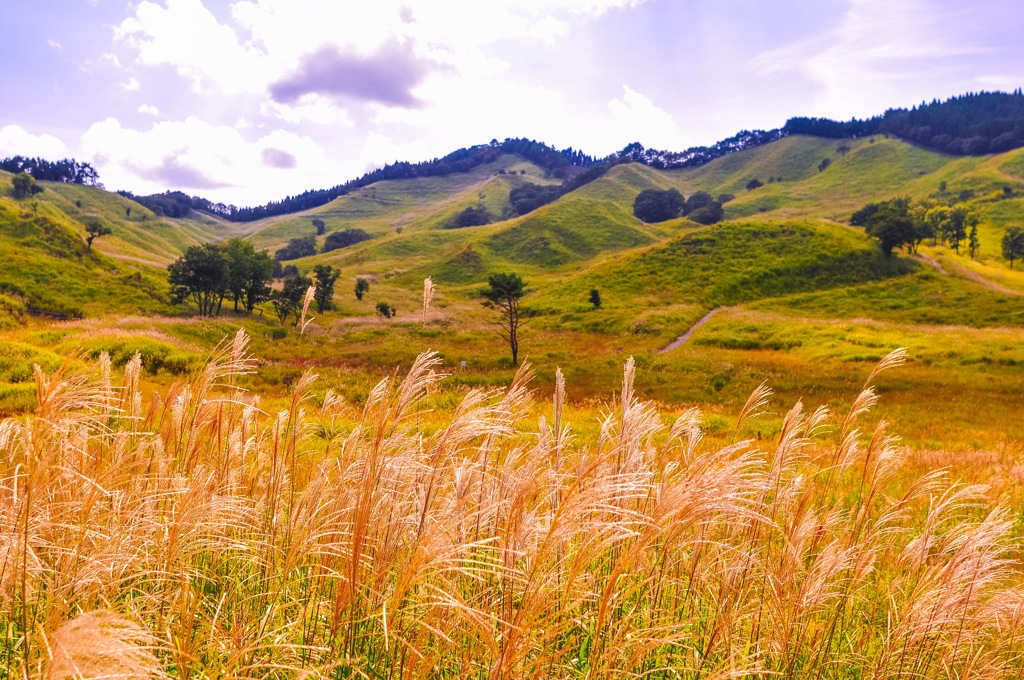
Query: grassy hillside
(409, 205)
(736, 262)
(800, 292)
(138, 233)
(45, 261)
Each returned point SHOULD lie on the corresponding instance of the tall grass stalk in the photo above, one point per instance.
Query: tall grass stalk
(205, 537)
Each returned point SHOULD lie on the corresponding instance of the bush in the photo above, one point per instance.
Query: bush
(652, 205)
(473, 216)
(297, 247)
(344, 238)
(709, 214)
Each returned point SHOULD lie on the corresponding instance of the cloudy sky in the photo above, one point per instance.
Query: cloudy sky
(247, 101)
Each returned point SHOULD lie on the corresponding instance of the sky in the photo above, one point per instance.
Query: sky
(247, 101)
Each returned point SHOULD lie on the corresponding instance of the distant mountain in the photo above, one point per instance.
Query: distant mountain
(971, 124)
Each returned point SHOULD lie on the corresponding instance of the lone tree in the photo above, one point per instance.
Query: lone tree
(893, 225)
(320, 225)
(595, 298)
(385, 311)
(362, 286)
(324, 276)
(502, 294)
(1013, 244)
(94, 229)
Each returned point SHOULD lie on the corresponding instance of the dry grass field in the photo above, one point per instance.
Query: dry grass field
(205, 534)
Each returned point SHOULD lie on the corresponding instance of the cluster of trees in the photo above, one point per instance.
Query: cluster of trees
(652, 205)
(177, 204)
(211, 273)
(901, 223)
(301, 246)
(67, 170)
(304, 246)
(971, 124)
(528, 197)
(698, 155)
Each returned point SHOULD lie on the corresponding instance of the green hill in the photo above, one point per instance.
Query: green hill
(138, 234)
(731, 263)
(46, 263)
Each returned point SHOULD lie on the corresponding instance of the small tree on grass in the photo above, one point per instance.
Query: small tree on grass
(288, 300)
(362, 286)
(93, 230)
(502, 294)
(324, 277)
(385, 311)
(320, 225)
(595, 298)
(24, 185)
(1013, 244)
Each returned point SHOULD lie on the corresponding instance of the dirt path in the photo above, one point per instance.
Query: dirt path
(971, 275)
(931, 262)
(682, 339)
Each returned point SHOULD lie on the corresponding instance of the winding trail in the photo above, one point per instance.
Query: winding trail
(930, 261)
(682, 339)
(960, 271)
(971, 275)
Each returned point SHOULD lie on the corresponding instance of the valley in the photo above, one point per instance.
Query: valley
(807, 301)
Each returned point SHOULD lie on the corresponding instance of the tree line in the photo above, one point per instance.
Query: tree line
(968, 125)
(178, 204)
(66, 171)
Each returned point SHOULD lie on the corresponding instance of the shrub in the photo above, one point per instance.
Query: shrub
(344, 238)
(473, 216)
(297, 247)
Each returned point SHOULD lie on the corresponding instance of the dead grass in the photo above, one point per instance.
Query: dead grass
(200, 536)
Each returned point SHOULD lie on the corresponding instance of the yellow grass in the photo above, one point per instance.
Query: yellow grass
(324, 541)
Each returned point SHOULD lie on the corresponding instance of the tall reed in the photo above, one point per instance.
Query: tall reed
(202, 536)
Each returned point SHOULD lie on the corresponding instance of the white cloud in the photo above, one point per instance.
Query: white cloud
(149, 109)
(639, 118)
(55, 45)
(132, 85)
(265, 40)
(187, 36)
(17, 141)
(214, 161)
(310, 108)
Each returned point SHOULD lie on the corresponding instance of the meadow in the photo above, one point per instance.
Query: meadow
(393, 498)
(202, 535)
